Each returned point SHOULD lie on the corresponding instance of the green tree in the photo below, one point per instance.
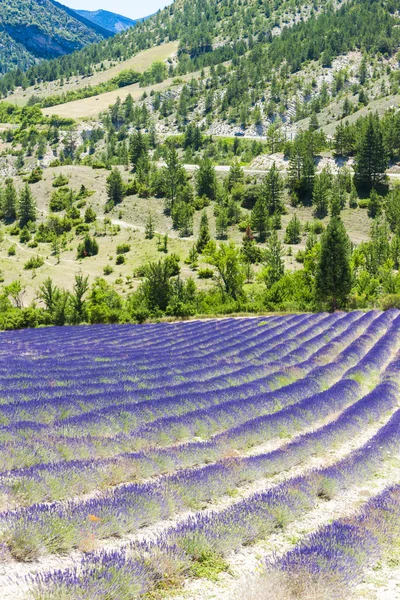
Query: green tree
(115, 188)
(230, 272)
(204, 233)
(235, 175)
(174, 176)
(293, 231)
(371, 160)
(273, 260)
(26, 206)
(137, 148)
(259, 219)
(206, 179)
(320, 197)
(10, 200)
(333, 277)
(78, 301)
(156, 287)
(221, 223)
(89, 247)
(149, 227)
(272, 188)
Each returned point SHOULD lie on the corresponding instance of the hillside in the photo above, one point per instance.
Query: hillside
(41, 29)
(108, 20)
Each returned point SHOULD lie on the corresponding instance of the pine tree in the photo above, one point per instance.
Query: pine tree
(272, 190)
(206, 180)
(10, 198)
(293, 231)
(320, 197)
(204, 233)
(149, 228)
(26, 206)
(259, 219)
(274, 260)
(333, 277)
(222, 223)
(235, 175)
(137, 148)
(174, 176)
(115, 188)
(371, 161)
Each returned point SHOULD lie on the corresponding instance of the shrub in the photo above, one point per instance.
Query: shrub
(123, 248)
(206, 273)
(60, 181)
(34, 263)
(89, 247)
(36, 175)
(108, 270)
(120, 259)
(363, 203)
(12, 251)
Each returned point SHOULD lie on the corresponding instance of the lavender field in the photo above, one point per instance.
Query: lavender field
(250, 459)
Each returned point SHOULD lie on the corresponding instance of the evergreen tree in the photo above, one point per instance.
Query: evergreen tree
(274, 260)
(26, 206)
(222, 223)
(206, 180)
(204, 233)
(174, 176)
(115, 188)
(137, 148)
(371, 161)
(293, 231)
(375, 204)
(272, 191)
(320, 197)
(235, 175)
(10, 199)
(333, 277)
(149, 227)
(259, 219)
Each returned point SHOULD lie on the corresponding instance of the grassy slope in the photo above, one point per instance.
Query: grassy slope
(140, 63)
(132, 214)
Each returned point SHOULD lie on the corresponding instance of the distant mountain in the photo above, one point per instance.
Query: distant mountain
(108, 20)
(31, 30)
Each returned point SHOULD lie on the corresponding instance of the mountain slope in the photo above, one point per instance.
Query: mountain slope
(108, 20)
(41, 29)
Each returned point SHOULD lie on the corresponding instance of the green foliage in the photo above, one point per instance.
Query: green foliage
(293, 231)
(34, 263)
(123, 248)
(89, 247)
(26, 206)
(333, 278)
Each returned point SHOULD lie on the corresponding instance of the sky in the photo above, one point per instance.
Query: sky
(135, 9)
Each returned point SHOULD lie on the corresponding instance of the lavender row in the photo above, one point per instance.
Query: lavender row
(48, 448)
(108, 395)
(130, 507)
(221, 533)
(337, 555)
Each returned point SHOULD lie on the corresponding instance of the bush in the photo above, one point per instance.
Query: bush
(60, 181)
(11, 251)
(35, 176)
(90, 215)
(123, 248)
(391, 301)
(108, 270)
(206, 273)
(120, 259)
(34, 263)
(363, 203)
(81, 228)
(89, 247)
